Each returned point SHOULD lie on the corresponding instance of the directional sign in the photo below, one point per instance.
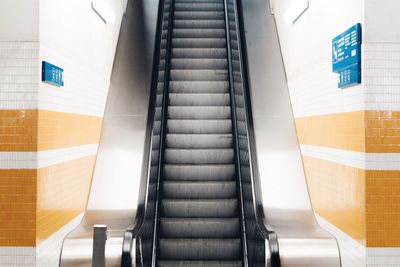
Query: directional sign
(52, 74)
(346, 56)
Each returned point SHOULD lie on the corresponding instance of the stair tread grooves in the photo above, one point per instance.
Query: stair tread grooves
(199, 186)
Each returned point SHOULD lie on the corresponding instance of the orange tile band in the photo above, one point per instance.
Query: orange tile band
(62, 194)
(363, 204)
(38, 130)
(338, 194)
(18, 207)
(362, 131)
(34, 204)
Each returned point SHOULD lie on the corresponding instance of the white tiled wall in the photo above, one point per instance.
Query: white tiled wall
(382, 76)
(316, 93)
(17, 257)
(84, 91)
(19, 75)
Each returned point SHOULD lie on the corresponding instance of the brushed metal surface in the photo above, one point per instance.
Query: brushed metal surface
(113, 198)
(285, 195)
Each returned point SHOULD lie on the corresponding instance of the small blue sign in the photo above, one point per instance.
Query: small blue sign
(346, 56)
(52, 74)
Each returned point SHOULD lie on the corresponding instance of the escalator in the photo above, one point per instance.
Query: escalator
(179, 179)
(197, 208)
(199, 215)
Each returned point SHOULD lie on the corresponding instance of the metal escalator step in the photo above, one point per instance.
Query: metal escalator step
(198, 87)
(199, 156)
(199, 227)
(199, 6)
(200, 263)
(198, 63)
(201, 15)
(198, 33)
(199, 172)
(199, 126)
(199, 1)
(198, 43)
(199, 189)
(199, 113)
(199, 75)
(199, 141)
(210, 208)
(199, 53)
(199, 24)
(200, 249)
(204, 100)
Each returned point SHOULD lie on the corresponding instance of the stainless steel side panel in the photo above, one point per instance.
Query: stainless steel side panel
(285, 195)
(114, 192)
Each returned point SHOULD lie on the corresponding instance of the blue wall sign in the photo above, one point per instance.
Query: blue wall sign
(52, 74)
(346, 56)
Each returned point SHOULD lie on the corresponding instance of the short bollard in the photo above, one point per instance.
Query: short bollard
(99, 245)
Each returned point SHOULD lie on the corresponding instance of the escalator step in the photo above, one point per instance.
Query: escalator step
(198, 63)
(199, 228)
(198, 33)
(199, 190)
(200, 264)
(199, 113)
(204, 100)
(198, 156)
(199, 172)
(199, 24)
(199, 53)
(200, 126)
(198, 87)
(199, 43)
(210, 208)
(194, 6)
(201, 15)
(199, 141)
(200, 249)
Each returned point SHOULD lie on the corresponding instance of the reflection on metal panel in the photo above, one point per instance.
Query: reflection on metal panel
(114, 193)
(285, 196)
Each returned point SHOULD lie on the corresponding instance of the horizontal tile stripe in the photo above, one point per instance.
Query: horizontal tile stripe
(341, 131)
(60, 130)
(362, 203)
(338, 194)
(41, 159)
(362, 131)
(39, 130)
(35, 204)
(62, 193)
(360, 160)
(18, 207)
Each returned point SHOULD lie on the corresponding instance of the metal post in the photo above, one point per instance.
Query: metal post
(99, 245)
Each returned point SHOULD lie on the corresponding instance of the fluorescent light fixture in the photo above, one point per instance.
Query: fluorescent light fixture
(104, 11)
(295, 11)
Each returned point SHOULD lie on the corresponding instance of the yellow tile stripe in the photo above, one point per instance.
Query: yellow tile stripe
(362, 131)
(383, 208)
(338, 194)
(38, 130)
(365, 204)
(342, 131)
(17, 207)
(34, 204)
(63, 191)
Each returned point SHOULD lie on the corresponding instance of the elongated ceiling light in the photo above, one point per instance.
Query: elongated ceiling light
(295, 11)
(104, 11)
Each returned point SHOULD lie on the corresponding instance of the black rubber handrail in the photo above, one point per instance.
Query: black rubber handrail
(236, 138)
(164, 118)
(142, 210)
(265, 230)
